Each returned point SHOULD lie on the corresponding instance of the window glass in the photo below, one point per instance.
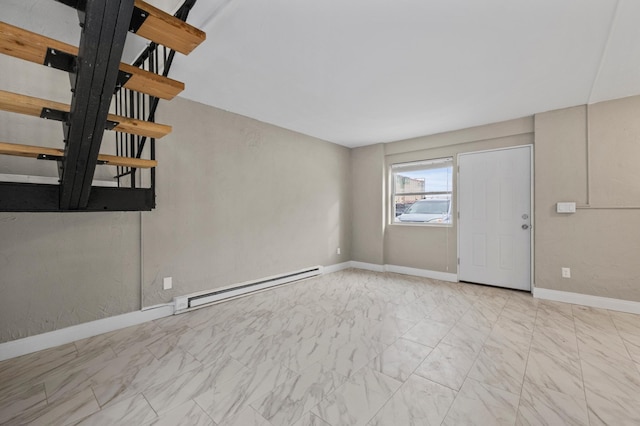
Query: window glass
(422, 191)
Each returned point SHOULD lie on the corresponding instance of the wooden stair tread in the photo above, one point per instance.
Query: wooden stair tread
(33, 47)
(32, 151)
(168, 30)
(29, 105)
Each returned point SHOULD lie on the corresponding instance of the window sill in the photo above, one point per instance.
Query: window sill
(422, 225)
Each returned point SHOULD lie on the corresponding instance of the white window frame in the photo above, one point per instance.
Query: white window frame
(435, 163)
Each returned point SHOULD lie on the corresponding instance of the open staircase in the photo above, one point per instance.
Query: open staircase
(106, 94)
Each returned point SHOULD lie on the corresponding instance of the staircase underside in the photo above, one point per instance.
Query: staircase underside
(96, 73)
(33, 197)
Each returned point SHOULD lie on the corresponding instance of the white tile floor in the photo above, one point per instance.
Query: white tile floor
(349, 348)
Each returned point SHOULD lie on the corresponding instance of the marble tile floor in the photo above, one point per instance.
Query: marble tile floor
(349, 348)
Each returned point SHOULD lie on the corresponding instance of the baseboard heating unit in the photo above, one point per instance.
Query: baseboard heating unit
(200, 299)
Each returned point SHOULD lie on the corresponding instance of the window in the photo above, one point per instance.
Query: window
(421, 191)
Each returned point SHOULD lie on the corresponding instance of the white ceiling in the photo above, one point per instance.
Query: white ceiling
(365, 71)
(359, 72)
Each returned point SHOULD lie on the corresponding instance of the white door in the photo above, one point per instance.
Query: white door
(494, 201)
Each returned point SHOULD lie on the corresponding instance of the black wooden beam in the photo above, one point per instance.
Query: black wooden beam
(29, 197)
(105, 26)
(121, 199)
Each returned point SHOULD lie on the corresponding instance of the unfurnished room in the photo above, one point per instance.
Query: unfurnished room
(297, 213)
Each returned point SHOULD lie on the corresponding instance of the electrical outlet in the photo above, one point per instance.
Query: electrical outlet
(566, 272)
(167, 283)
(338, 250)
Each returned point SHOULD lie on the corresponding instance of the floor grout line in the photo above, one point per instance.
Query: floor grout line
(526, 365)
(584, 386)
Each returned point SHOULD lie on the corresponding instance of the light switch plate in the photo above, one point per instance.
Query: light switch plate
(566, 207)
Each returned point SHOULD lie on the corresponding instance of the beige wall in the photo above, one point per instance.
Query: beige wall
(367, 176)
(600, 244)
(237, 199)
(59, 269)
(424, 247)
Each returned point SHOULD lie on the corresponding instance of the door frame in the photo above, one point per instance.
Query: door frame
(532, 215)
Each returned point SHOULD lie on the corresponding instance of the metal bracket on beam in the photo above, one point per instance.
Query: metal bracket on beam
(110, 125)
(123, 77)
(54, 114)
(137, 19)
(60, 60)
(50, 157)
(61, 157)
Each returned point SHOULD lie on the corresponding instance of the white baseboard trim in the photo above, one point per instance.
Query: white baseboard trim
(405, 270)
(62, 336)
(335, 267)
(425, 273)
(587, 300)
(367, 266)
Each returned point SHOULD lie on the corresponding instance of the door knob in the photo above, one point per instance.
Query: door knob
(525, 226)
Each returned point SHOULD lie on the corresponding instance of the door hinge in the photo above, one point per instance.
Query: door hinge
(458, 215)
(458, 261)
